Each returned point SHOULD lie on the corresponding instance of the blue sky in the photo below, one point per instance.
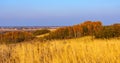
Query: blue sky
(57, 12)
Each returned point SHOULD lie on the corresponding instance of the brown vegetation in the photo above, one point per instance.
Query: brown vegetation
(109, 32)
(80, 30)
(17, 36)
(87, 28)
(40, 32)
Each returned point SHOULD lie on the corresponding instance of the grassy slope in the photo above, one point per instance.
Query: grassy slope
(81, 50)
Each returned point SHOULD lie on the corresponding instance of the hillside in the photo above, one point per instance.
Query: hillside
(79, 50)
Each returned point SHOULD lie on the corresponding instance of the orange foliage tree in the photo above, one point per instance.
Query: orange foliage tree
(111, 31)
(16, 36)
(86, 28)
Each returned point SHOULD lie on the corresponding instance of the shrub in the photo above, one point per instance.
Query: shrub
(17, 36)
(90, 28)
(116, 28)
(40, 32)
(86, 28)
(60, 33)
(108, 32)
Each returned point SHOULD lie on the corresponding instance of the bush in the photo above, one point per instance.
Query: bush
(40, 32)
(17, 36)
(108, 32)
(86, 28)
(60, 33)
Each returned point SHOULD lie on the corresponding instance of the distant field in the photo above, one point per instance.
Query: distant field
(80, 50)
(27, 28)
(4, 30)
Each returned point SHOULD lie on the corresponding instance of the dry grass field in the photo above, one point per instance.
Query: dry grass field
(80, 50)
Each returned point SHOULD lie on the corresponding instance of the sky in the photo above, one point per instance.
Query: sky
(58, 12)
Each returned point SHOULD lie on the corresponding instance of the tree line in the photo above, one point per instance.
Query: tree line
(107, 32)
(15, 36)
(20, 36)
(87, 28)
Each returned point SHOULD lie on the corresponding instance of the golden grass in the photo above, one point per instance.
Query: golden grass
(40, 36)
(80, 50)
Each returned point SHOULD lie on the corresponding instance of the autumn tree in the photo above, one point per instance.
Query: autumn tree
(107, 32)
(16, 36)
(84, 29)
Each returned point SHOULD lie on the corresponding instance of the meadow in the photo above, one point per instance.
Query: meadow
(77, 50)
